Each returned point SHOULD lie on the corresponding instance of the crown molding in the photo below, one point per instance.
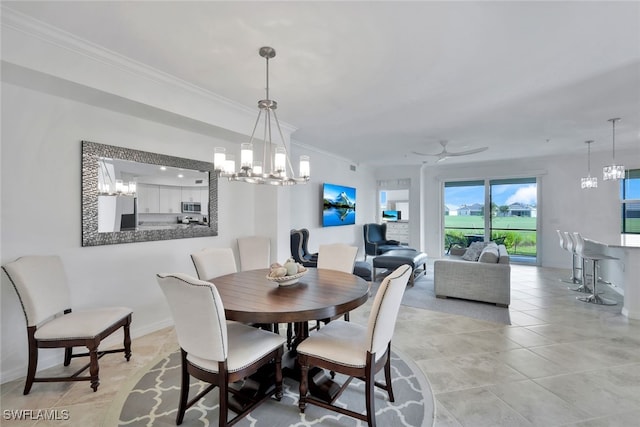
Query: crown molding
(49, 34)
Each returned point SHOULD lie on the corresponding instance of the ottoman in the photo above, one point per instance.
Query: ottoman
(397, 257)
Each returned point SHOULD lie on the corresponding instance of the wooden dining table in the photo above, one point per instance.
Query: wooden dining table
(249, 297)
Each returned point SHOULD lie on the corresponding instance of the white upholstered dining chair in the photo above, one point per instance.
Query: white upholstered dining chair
(355, 350)
(215, 350)
(214, 262)
(337, 256)
(41, 285)
(340, 257)
(255, 252)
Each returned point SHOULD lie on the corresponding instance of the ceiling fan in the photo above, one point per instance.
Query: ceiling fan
(444, 154)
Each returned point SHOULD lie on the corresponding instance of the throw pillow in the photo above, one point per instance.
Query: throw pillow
(473, 251)
(490, 254)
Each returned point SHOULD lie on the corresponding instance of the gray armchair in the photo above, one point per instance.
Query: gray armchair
(299, 250)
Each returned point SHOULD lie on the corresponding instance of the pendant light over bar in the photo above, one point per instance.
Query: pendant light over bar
(275, 167)
(589, 181)
(613, 172)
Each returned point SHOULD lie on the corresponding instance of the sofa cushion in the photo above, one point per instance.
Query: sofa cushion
(473, 251)
(490, 254)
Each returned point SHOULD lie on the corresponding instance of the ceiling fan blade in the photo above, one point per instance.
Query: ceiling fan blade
(466, 153)
(426, 154)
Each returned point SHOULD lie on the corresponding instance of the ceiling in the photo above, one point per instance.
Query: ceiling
(375, 81)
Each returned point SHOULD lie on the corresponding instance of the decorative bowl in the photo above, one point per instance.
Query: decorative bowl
(288, 280)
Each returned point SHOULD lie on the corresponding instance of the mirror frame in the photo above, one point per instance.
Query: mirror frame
(91, 151)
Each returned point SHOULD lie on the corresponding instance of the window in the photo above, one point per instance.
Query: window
(463, 213)
(514, 212)
(510, 220)
(630, 196)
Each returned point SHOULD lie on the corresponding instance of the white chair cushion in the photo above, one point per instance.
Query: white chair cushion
(246, 345)
(341, 342)
(81, 324)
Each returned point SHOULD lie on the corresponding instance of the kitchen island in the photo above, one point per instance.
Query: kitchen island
(625, 273)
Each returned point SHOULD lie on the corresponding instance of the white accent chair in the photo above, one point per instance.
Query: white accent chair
(215, 350)
(214, 262)
(41, 285)
(255, 252)
(355, 350)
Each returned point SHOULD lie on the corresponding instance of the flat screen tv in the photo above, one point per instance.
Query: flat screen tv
(391, 215)
(338, 205)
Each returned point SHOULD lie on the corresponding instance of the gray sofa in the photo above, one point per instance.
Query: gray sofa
(487, 280)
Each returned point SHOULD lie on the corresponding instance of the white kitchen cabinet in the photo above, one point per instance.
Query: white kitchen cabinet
(191, 194)
(148, 198)
(170, 198)
(398, 231)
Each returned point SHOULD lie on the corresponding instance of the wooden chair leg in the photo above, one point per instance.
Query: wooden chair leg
(278, 366)
(94, 369)
(33, 362)
(223, 408)
(67, 355)
(304, 384)
(370, 395)
(184, 389)
(387, 376)
(127, 340)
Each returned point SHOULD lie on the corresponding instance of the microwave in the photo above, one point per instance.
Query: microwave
(191, 207)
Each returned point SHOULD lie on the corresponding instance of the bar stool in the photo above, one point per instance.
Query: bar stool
(562, 237)
(594, 258)
(577, 263)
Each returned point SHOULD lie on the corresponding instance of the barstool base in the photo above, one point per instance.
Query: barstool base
(582, 288)
(597, 299)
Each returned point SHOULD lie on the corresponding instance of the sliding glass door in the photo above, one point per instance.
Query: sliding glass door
(514, 212)
(510, 220)
(464, 216)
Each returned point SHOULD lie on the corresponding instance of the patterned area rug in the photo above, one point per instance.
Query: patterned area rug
(152, 400)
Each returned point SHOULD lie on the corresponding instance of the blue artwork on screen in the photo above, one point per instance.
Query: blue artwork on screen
(338, 205)
(391, 216)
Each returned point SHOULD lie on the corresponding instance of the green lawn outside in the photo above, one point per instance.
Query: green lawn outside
(505, 229)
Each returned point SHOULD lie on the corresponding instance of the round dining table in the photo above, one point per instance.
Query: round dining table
(321, 294)
(248, 296)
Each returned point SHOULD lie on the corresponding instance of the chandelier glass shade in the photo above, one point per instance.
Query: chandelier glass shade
(613, 171)
(589, 181)
(272, 165)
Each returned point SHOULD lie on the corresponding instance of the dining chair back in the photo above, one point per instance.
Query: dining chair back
(356, 351)
(337, 256)
(214, 262)
(216, 351)
(255, 252)
(41, 285)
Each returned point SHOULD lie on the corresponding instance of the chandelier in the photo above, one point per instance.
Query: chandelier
(274, 166)
(589, 181)
(614, 171)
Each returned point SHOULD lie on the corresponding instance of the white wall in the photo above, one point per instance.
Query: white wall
(306, 200)
(41, 213)
(562, 205)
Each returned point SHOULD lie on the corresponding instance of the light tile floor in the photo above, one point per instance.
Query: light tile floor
(560, 362)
